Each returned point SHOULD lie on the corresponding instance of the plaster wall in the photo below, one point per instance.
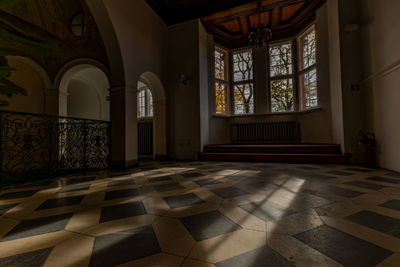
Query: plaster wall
(83, 101)
(184, 99)
(381, 38)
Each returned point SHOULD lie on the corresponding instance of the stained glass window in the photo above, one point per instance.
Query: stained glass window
(308, 70)
(221, 81)
(243, 82)
(281, 77)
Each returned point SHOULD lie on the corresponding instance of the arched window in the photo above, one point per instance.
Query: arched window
(144, 103)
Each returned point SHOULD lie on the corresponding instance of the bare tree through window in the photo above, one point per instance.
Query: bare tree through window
(308, 69)
(281, 77)
(243, 82)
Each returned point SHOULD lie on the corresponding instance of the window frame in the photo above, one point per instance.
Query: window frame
(147, 107)
(291, 76)
(302, 71)
(244, 82)
(225, 82)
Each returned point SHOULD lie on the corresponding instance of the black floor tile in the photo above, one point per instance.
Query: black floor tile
(260, 257)
(385, 224)
(308, 168)
(343, 248)
(118, 248)
(208, 225)
(121, 193)
(307, 200)
(393, 204)
(340, 173)
(267, 174)
(267, 211)
(229, 192)
(340, 191)
(384, 180)
(121, 183)
(192, 175)
(207, 181)
(122, 211)
(317, 176)
(73, 188)
(159, 179)
(30, 259)
(359, 170)
(5, 208)
(38, 226)
(365, 185)
(168, 187)
(183, 200)
(60, 202)
(15, 195)
(238, 178)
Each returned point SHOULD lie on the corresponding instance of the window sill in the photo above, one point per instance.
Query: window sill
(311, 110)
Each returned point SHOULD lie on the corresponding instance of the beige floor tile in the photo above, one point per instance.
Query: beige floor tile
(378, 238)
(158, 260)
(121, 225)
(173, 236)
(83, 220)
(228, 245)
(73, 252)
(192, 210)
(156, 206)
(28, 244)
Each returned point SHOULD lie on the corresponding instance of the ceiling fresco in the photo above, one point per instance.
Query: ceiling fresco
(40, 29)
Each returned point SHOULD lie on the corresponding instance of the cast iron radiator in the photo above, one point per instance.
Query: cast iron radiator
(145, 138)
(270, 132)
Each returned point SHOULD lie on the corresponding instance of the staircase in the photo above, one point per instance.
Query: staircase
(285, 153)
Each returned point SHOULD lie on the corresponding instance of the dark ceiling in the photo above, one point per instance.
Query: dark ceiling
(230, 21)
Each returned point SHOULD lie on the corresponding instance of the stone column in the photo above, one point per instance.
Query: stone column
(55, 102)
(124, 148)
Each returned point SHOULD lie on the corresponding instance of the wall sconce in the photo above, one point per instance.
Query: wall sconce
(183, 79)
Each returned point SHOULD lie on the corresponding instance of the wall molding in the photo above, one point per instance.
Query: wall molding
(384, 72)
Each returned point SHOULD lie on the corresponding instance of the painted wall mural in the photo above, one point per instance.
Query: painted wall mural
(40, 29)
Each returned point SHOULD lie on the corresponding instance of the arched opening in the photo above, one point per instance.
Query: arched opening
(34, 79)
(151, 113)
(84, 91)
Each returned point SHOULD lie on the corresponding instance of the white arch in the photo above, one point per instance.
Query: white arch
(81, 69)
(154, 84)
(73, 67)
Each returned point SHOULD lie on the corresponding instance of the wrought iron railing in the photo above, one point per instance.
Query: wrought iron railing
(34, 147)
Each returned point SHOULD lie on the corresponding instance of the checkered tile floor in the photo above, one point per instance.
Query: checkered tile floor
(206, 214)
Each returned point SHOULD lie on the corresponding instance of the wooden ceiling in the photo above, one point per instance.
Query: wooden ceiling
(230, 21)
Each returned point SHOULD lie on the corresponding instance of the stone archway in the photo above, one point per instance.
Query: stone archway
(83, 88)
